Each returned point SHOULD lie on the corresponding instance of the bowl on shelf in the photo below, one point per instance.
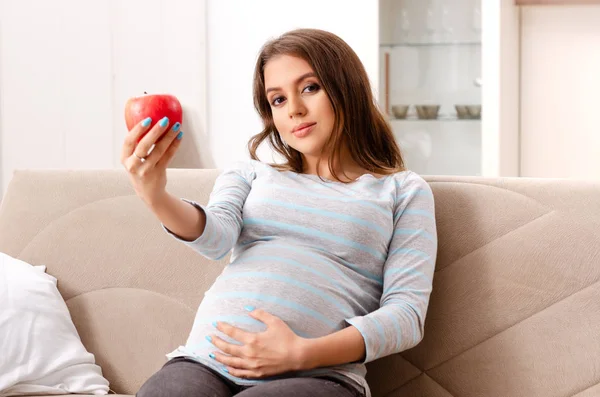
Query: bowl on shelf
(462, 112)
(427, 112)
(400, 111)
(468, 112)
(474, 111)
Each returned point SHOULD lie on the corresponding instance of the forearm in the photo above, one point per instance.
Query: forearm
(341, 347)
(181, 218)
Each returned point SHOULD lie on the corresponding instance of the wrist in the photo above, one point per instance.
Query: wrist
(157, 200)
(305, 357)
(341, 347)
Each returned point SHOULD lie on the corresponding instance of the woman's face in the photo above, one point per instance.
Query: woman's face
(301, 109)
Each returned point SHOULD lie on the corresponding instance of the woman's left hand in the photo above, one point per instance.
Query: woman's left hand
(274, 351)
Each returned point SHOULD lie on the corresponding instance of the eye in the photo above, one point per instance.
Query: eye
(311, 88)
(277, 100)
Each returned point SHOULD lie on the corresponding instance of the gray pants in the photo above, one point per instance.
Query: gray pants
(181, 377)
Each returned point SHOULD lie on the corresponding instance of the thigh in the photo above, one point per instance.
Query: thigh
(300, 387)
(185, 378)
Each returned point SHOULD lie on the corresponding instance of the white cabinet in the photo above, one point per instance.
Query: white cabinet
(448, 81)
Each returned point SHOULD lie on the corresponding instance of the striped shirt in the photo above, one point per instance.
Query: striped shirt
(321, 255)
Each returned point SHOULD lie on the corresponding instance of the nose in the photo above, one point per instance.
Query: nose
(296, 107)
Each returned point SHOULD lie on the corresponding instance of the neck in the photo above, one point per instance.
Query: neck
(345, 167)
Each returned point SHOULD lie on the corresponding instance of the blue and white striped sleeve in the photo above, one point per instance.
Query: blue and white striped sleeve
(407, 275)
(223, 212)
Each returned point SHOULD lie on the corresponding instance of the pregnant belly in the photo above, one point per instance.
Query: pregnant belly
(309, 305)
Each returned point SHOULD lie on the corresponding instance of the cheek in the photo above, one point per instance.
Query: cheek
(327, 114)
(279, 120)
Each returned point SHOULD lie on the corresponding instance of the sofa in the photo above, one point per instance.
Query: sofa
(515, 308)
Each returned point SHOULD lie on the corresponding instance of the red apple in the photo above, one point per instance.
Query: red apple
(155, 106)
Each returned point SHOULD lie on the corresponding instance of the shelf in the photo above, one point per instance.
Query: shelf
(432, 44)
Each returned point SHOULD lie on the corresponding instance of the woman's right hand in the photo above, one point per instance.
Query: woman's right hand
(148, 172)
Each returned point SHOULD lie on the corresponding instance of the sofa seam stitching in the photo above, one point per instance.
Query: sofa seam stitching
(70, 211)
(587, 388)
(495, 239)
(423, 373)
(593, 284)
(132, 288)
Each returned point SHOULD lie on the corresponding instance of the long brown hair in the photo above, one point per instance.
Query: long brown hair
(358, 122)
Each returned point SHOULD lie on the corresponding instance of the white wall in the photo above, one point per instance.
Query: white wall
(560, 77)
(68, 66)
(236, 31)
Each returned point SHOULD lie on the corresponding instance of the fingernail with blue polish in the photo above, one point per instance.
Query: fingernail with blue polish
(146, 121)
(208, 338)
(176, 127)
(180, 135)
(212, 356)
(214, 324)
(164, 121)
(226, 370)
(249, 308)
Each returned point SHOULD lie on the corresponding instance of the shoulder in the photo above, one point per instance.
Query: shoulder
(241, 168)
(249, 169)
(410, 185)
(410, 179)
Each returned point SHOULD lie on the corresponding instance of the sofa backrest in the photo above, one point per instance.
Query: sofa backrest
(515, 308)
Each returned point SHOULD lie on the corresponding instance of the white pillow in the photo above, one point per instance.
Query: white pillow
(40, 349)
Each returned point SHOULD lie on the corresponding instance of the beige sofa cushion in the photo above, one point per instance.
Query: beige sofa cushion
(515, 309)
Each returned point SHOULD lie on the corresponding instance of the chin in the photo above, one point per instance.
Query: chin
(309, 145)
(308, 149)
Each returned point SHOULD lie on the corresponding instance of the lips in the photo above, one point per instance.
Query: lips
(303, 129)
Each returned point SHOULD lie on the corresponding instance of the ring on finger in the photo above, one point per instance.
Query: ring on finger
(142, 159)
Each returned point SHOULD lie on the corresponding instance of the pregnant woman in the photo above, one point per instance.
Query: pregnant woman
(333, 247)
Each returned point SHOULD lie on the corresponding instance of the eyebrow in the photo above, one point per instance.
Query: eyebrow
(299, 79)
